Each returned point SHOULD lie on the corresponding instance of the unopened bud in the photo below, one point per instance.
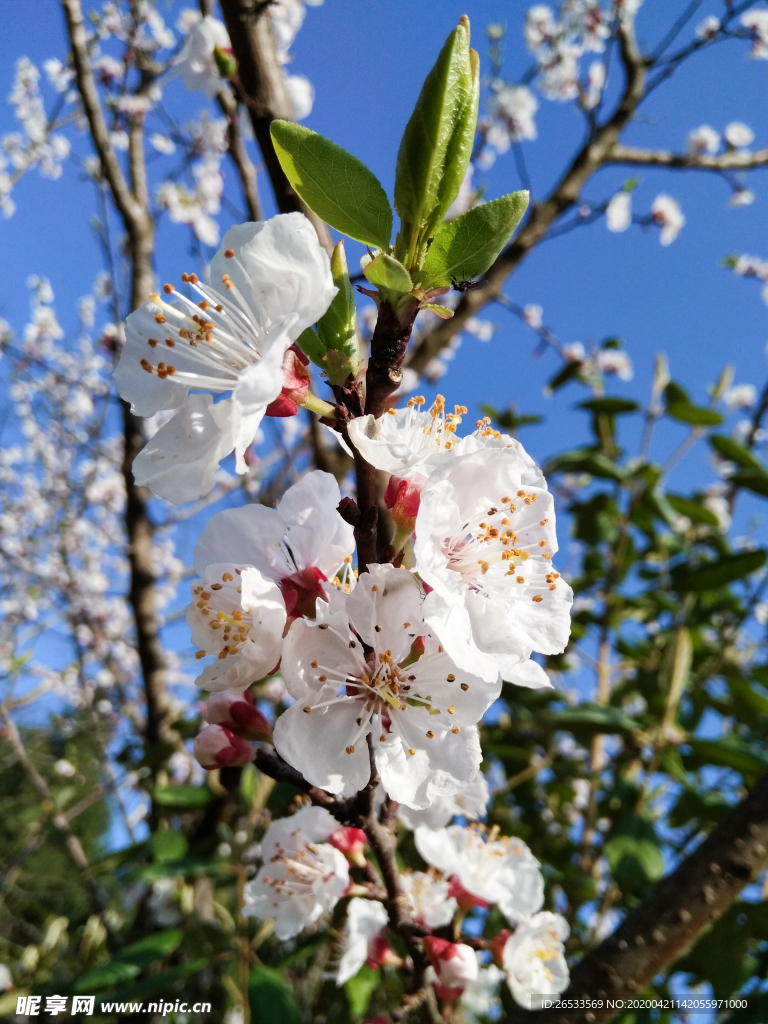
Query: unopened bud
(455, 964)
(295, 384)
(350, 842)
(217, 747)
(226, 64)
(497, 946)
(236, 712)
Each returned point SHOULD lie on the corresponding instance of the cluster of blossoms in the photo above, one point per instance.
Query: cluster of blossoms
(36, 145)
(309, 865)
(386, 672)
(665, 212)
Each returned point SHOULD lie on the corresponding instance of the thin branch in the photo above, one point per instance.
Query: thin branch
(261, 86)
(733, 161)
(239, 154)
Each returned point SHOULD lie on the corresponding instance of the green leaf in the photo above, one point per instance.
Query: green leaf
(359, 990)
(755, 480)
(437, 143)
(570, 371)
(149, 950)
(735, 452)
(731, 751)
(161, 981)
(715, 574)
(634, 853)
(467, 246)
(510, 419)
(442, 311)
(388, 274)
(270, 998)
(585, 460)
(680, 407)
(334, 184)
(168, 845)
(337, 327)
(182, 796)
(596, 718)
(693, 510)
(609, 405)
(187, 866)
(107, 976)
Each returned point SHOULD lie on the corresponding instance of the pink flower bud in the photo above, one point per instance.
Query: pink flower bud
(236, 712)
(295, 384)
(217, 747)
(455, 963)
(497, 946)
(351, 842)
(402, 498)
(380, 952)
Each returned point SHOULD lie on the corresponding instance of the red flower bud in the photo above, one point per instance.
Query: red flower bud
(497, 946)
(217, 747)
(295, 384)
(351, 842)
(236, 712)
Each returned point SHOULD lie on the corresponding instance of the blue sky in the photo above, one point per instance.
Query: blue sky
(367, 62)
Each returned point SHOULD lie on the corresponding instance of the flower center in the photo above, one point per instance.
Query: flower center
(217, 334)
(229, 626)
(488, 552)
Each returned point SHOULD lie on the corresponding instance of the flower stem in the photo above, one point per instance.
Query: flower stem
(317, 405)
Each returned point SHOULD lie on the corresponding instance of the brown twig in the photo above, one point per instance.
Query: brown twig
(261, 86)
(131, 201)
(732, 161)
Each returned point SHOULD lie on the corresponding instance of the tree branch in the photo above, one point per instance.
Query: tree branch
(262, 86)
(239, 154)
(542, 215)
(734, 161)
(676, 912)
(132, 205)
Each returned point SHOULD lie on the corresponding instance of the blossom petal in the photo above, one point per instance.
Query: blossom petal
(280, 270)
(385, 609)
(316, 745)
(179, 463)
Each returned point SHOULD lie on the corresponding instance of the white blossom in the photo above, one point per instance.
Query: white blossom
(740, 396)
(703, 139)
(272, 280)
(613, 360)
(666, 212)
(485, 536)
(741, 197)
(298, 545)
(501, 871)
(534, 960)
(430, 899)
(618, 213)
(301, 93)
(238, 616)
(365, 921)
(513, 107)
(303, 876)
(708, 28)
(470, 802)
(595, 84)
(480, 999)
(738, 134)
(417, 710)
(196, 63)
